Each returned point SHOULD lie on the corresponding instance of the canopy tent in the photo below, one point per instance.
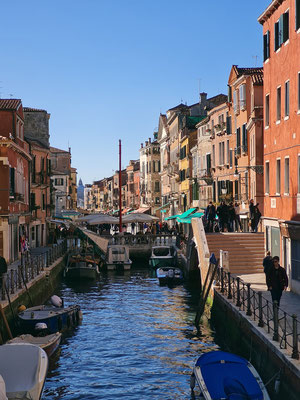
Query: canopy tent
(172, 217)
(88, 218)
(103, 219)
(134, 217)
(182, 216)
(189, 218)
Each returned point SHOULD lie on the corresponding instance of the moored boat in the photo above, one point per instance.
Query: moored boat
(169, 276)
(117, 257)
(81, 267)
(23, 368)
(48, 343)
(222, 375)
(163, 256)
(57, 319)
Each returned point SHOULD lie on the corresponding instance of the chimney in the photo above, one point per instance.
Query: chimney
(146, 143)
(142, 145)
(203, 97)
(149, 140)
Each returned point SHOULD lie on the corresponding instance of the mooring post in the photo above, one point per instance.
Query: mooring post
(222, 279)
(229, 287)
(238, 293)
(295, 353)
(249, 312)
(275, 320)
(260, 311)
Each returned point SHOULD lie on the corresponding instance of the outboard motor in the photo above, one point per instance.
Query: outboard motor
(41, 329)
(56, 301)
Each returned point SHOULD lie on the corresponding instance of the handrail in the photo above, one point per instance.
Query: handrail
(284, 327)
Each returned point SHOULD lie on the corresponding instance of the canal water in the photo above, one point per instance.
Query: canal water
(137, 340)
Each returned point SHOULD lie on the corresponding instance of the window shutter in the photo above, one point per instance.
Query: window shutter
(276, 34)
(297, 14)
(12, 181)
(228, 125)
(285, 26)
(280, 30)
(229, 94)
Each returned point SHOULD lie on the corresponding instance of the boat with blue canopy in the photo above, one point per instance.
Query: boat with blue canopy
(225, 376)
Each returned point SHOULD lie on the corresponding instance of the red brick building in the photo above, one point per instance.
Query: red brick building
(281, 37)
(14, 179)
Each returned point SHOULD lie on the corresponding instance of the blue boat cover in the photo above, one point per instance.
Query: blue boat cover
(227, 376)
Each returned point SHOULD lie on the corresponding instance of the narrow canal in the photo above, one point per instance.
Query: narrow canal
(136, 341)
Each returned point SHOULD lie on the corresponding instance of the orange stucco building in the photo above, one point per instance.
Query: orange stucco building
(281, 38)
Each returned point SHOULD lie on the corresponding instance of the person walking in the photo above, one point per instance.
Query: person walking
(3, 271)
(257, 215)
(231, 217)
(277, 280)
(252, 214)
(267, 263)
(210, 215)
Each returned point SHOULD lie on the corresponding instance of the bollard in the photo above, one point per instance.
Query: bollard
(222, 279)
(238, 294)
(249, 312)
(229, 286)
(275, 321)
(260, 311)
(295, 353)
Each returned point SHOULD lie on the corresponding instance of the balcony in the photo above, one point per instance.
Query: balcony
(220, 129)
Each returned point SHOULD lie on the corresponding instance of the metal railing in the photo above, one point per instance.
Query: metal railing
(284, 327)
(29, 268)
(144, 239)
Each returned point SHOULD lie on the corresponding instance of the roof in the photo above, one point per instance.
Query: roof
(55, 150)
(248, 71)
(269, 11)
(10, 104)
(29, 109)
(181, 105)
(32, 140)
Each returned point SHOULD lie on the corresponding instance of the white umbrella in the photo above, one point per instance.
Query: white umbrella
(88, 217)
(135, 217)
(103, 219)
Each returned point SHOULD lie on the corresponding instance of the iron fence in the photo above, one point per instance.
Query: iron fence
(29, 268)
(284, 327)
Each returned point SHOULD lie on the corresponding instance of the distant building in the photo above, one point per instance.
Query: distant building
(80, 194)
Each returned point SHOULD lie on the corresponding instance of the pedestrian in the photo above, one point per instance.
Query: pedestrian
(252, 215)
(257, 215)
(132, 227)
(3, 270)
(210, 215)
(220, 210)
(231, 217)
(267, 263)
(277, 280)
(238, 223)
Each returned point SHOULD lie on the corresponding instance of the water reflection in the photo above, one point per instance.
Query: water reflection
(137, 340)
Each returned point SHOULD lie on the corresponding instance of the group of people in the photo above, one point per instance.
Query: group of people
(276, 277)
(228, 217)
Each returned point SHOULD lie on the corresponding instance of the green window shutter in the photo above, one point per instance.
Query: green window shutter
(280, 30)
(276, 34)
(285, 26)
(228, 125)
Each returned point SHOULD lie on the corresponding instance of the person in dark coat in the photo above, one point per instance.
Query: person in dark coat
(277, 280)
(267, 262)
(231, 217)
(210, 215)
(3, 270)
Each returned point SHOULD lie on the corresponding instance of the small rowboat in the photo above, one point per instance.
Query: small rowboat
(169, 276)
(48, 343)
(222, 375)
(23, 368)
(57, 319)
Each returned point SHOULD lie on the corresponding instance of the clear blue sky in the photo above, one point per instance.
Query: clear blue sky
(104, 70)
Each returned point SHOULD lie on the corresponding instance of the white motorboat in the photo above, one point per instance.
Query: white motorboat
(118, 257)
(163, 256)
(23, 368)
(222, 375)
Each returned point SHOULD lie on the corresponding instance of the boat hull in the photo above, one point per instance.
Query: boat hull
(221, 375)
(24, 369)
(49, 343)
(82, 273)
(118, 266)
(56, 319)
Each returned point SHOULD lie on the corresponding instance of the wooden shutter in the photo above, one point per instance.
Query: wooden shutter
(285, 26)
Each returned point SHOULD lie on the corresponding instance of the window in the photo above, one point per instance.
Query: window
(278, 103)
(59, 181)
(227, 152)
(267, 178)
(238, 141)
(287, 99)
(297, 12)
(298, 91)
(156, 186)
(213, 155)
(236, 107)
(231, 158)
(267, 111)
(278, 177)
(298, 173)
(11, 182)
(244, 139)
(266, 45)
(229, 94)
(242, 91)
(281, 30)
(286, 175)
(229, 125)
